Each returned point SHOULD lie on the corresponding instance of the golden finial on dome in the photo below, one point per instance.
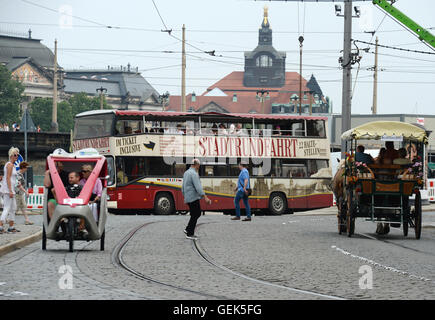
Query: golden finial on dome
(265, 19)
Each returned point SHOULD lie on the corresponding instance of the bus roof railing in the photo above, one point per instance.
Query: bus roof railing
(202, 114)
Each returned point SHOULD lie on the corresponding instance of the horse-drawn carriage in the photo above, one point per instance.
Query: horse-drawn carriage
(381, 193)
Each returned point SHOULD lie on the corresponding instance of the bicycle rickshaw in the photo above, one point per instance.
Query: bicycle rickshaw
(378, 192)
(71, 208)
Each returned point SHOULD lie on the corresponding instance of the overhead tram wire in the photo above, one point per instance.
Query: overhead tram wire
(396, 48)
(169, 31)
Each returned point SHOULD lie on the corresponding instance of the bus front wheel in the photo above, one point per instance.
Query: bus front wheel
(164, 204)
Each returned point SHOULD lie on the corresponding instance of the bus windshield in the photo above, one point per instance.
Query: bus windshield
(97, 125)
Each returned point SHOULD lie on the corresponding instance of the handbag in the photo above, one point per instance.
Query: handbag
(249, 190)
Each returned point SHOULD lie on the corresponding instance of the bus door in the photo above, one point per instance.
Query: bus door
(295, 181)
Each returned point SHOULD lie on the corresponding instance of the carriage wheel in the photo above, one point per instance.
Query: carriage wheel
(350, 219)
(341, 217)
(417, 215)
(71, 227)
(405, 226)
(44, 239)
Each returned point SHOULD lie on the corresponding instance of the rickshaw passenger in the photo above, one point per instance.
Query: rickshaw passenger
(51, 200)
(402, 157)
(360, 156)
(97, 190)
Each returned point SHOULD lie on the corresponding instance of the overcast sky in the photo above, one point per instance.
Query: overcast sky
(230, 27)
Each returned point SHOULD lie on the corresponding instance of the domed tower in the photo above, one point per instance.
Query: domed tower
(264, 66)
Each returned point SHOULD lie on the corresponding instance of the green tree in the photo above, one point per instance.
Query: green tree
(10, 96)
(80, 102)
(41, 113)
(41, 110)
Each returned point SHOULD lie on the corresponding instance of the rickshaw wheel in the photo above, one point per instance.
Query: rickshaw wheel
(417, 215)
(44, 239)
(103, 236)
(71, 226)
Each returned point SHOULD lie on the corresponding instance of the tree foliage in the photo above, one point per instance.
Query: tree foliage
(10, 96)
(41, 110)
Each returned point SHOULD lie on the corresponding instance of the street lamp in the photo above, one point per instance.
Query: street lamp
(262, 95)
(101, 90)
(294, 98)
(163, 98)
(301, 40)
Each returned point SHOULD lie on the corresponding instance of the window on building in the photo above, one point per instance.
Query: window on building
(264, 61)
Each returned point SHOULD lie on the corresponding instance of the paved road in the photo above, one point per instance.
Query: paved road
(281, 257)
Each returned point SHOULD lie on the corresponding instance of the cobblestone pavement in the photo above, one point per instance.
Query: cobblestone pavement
(272, 257)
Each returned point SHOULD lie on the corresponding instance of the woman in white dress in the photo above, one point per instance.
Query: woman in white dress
(8, 191)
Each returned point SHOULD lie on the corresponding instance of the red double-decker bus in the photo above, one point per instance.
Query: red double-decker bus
(148, 152)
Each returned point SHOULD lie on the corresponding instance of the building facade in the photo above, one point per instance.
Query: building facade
(123, 87)
(32, 63)
(263, 87)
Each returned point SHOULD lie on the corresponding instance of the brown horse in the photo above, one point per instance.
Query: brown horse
(337, 185)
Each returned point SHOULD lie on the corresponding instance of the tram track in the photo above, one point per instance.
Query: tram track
(99, 284)
(201, 252)
(394, 244)
(117, 259)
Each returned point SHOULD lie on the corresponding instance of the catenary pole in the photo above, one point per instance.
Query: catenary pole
(347, 73)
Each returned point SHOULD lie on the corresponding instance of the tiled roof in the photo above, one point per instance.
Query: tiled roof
(246, 100)
(16, 47)
(131, 82)
(234, 82)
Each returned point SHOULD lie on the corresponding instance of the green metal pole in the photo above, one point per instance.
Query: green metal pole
(421, 32)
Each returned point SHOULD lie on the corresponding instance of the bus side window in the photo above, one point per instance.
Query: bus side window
(315, 128)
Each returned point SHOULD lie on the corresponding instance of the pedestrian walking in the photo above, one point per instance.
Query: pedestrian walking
(243, 191)
(8, 191)
(21, 192)
(192, 193)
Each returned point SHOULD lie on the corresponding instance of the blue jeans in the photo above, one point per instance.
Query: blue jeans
(242, 195)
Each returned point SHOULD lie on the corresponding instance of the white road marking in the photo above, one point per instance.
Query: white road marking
(388, 268)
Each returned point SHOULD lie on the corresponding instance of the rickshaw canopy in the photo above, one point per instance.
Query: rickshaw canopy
(377, 129)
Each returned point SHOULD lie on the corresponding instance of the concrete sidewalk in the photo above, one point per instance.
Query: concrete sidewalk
(28, 234)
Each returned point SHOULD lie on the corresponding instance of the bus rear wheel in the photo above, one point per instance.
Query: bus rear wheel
(277, 204)
(164, 204)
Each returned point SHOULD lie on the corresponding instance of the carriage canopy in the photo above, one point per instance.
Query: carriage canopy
(376, 130)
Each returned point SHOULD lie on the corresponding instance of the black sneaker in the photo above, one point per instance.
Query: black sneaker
(185, 231)
(192, 237)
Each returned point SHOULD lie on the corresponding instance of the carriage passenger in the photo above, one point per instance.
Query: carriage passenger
(390, 153)
(380, 158)
(402, 157)
(360, 156)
